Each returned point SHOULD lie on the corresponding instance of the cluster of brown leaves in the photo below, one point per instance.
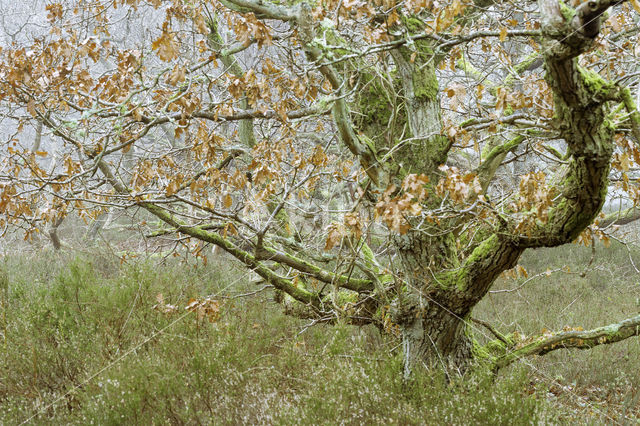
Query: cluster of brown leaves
(395, 208)
(336, 232)
(591, 234)
(534, 200)
(353, 227)
(460, 187)
(205, 308)
(516, 272)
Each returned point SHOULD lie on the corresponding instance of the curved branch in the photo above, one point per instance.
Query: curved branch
(580, 98)
(200, 233)
(620, 217)
(354, 284)
(575, 339)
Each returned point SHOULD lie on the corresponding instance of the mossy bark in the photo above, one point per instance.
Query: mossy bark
(427, 147)
(442, 286)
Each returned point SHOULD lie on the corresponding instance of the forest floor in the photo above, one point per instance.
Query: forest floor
(87, 337)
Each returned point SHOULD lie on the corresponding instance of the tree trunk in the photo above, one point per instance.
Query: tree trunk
(53, 234)
(433, 310)
(98, 225)
(438, 338)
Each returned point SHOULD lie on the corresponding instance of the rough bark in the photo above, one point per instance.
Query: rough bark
(442, 289)
(437, 338)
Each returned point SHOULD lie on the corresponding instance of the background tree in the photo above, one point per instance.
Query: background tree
(354, 155)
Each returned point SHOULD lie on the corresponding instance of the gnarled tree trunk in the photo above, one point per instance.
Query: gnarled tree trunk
(444, 285)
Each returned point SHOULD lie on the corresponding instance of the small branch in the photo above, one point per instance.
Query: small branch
(480, 34)
(525, 282)
(493, 331)
(162, 232)
(632, 109)
(251, 293)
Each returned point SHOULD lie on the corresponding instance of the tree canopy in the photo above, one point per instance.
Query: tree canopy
(375, 162)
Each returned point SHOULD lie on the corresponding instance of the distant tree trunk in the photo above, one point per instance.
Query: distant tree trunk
(96, 226)
(53, 233)
(53, 230)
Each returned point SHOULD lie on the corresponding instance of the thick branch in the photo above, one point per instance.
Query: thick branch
(580, 98)
(300, 294)
(620, 217)
(574, 340)
(355, 284)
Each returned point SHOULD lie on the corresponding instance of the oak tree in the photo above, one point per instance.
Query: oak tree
(376, 162)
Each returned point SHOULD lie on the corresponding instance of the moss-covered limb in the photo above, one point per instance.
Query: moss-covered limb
(298, 293)
(113, 181)
(469, 69)
(632, 109)
(340, 110)
(215, 42)
(530, 62)
(367, 262)
(290, 244)
(493, 159)
(285, 285)
(280, 217)
(468, 283)
(262, 9)
(167, 231)
(350, 283)
(372, 263)
(555, 152)
(621, 217)
(245, 127)
(580, 98)
(576, 339)
(483, 123)
(582, 191)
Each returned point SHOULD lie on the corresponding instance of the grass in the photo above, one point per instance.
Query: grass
(602, 382)
(82, 343)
